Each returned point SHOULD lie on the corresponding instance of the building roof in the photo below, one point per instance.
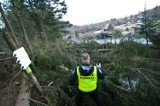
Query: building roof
(108, 27)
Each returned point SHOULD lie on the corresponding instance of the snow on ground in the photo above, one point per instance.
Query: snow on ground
(93, 35)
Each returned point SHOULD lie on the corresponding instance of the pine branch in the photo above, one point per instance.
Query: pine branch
(17, 74)
(148, 70)
(152, 86)
(9, 58)
(119, 87)
(38, 102)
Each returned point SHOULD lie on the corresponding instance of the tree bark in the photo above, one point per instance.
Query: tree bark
(6, 21)
(13, 47)
(24, 33)
(10, 42)
(3, 54)
(24, 91)
(24, 95)
(102, 50)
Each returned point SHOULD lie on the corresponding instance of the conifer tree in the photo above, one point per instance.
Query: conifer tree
(150, 28)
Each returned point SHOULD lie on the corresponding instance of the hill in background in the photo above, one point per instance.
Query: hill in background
(132, 19)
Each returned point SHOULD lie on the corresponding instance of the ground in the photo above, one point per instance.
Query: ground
(7, 97)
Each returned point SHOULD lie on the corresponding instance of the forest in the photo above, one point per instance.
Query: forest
(132, 69)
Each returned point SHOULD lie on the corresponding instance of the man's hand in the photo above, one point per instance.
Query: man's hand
(98, 65)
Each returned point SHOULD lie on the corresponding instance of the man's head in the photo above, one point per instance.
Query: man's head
(85, 58)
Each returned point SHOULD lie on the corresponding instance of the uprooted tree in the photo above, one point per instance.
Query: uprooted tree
(132, 69)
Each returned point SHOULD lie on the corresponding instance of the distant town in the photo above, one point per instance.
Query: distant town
(103, 30)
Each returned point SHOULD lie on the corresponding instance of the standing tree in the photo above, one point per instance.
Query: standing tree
(150, 27)
(40, 17)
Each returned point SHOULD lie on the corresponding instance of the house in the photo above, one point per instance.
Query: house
(108, 27)
(107, 31)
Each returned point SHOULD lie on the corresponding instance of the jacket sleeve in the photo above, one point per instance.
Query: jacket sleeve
(73, 77)
(100, 73)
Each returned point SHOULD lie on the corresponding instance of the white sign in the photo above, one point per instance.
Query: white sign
(22, 57)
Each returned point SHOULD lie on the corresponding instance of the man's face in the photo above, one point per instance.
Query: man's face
(85, 60)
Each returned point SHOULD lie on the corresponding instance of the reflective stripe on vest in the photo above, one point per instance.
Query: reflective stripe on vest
(87, 83)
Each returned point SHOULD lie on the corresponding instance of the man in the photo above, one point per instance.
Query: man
(87, 76)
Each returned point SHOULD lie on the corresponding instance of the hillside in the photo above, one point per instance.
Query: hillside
(132, 19)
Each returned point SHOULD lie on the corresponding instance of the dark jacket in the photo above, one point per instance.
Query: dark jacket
(85, 69)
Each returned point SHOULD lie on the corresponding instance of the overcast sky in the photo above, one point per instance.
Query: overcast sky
(82, 12)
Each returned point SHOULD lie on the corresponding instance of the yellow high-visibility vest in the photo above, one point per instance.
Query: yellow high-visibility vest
(87, 83)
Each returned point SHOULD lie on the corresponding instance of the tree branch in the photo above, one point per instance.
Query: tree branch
(152, 86)
(6, 58)
(148, 70)
(118, 87)
(38, 102)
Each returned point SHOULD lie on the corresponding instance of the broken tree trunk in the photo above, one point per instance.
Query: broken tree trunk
(102, 50)
(24, 86)
(30, 75)
(6, 21)
(23, 96)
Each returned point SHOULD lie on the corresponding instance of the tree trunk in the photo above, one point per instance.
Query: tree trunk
(3, 54)
(23, 96)
(6, 21)
(10, 42)
(24, 33)
(13, 47)
(24, 91)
